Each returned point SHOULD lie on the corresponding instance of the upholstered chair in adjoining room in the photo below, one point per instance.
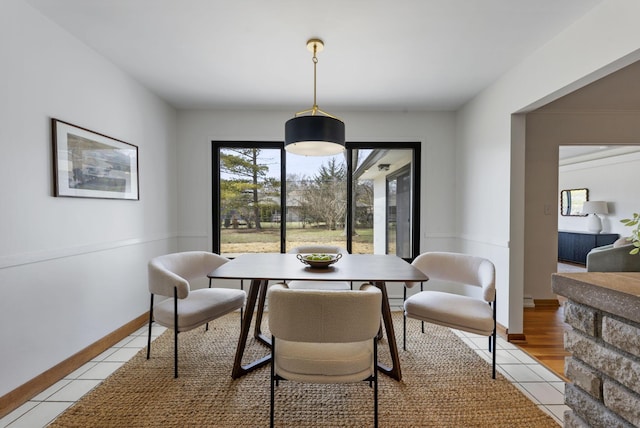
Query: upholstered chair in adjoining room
(311, 344)
(186, 309)
(614, 257)
(470, 314)
(319, 285)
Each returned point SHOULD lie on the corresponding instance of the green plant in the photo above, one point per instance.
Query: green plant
(635, 232)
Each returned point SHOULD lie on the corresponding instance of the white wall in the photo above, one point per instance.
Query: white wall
(612, 179)
(196, 130)
(490, 152)
(72, 270)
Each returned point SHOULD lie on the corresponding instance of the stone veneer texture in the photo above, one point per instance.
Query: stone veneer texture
(604, 369)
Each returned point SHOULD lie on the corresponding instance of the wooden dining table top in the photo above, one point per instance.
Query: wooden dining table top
(351, 267)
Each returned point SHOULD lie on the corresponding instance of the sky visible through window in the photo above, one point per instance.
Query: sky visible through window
(308, 165)
(297, 164)
(300, 165)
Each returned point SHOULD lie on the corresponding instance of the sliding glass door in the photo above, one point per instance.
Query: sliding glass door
(385, 192)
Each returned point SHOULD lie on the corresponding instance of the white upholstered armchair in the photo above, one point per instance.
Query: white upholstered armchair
(474, 315)
(186, 309)
(311, 344)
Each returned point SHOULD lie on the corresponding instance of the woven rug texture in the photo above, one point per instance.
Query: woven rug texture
(445, 384)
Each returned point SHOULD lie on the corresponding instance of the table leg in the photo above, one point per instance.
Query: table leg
(258, 327)
(238, 369)
(393, 371)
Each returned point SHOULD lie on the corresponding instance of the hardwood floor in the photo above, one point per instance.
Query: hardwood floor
(544, 329)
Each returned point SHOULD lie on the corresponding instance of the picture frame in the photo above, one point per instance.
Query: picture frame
(87, 164)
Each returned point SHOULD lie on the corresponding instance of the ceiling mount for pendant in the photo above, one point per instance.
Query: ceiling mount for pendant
(315, 45)
(314, 132)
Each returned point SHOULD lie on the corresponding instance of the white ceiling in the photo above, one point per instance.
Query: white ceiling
(379, 55)
(575, 154)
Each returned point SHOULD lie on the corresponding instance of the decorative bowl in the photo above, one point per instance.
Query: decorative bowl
(319, 260)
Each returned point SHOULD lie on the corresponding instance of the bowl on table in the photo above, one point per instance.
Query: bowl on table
(318, 260)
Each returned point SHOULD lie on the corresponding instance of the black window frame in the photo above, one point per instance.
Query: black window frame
(216, 145)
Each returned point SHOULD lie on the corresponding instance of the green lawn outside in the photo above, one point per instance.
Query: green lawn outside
(243, 240)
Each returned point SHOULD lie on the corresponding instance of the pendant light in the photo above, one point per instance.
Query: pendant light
(314, 132)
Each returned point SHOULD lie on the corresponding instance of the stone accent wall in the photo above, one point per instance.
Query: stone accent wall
(604, 369)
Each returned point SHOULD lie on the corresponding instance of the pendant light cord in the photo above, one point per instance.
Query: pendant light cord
(314, 109)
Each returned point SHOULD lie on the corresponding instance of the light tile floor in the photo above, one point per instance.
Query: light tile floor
(536, 382)
(539, 384)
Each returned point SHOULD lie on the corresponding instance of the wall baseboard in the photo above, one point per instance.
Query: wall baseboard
(547, 303)
(30, 389)
(501, 330)
(510, 337)
(528, 302)
(516, 338)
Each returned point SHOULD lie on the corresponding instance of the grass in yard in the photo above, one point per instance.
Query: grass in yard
(267, 240)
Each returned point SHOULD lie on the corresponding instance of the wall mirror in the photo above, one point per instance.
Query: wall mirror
(571, 201)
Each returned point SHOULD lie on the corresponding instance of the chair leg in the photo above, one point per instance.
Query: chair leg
(493, 343)
(375, 383)
(495, 349)
(175, 332)
(206, 326)
(241, 307)
(150, 322)
(404, 331)
(422, 289)
(404, 320)
(175, 353)
(272, 378)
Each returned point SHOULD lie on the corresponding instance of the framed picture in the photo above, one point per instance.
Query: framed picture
(87, 164)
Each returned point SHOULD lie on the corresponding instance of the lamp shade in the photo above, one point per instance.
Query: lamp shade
(595, 207)
(314, 135)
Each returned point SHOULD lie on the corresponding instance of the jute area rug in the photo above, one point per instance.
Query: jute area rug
(445, 384)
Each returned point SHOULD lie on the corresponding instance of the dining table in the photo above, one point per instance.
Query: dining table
(260, 268)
